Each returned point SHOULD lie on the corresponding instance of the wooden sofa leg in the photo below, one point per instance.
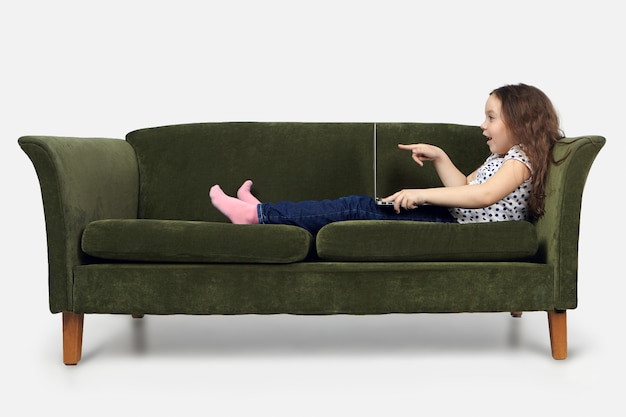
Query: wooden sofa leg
(72, 337)
(557, 323)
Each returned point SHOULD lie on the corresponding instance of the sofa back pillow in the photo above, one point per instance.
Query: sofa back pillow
(287, 161)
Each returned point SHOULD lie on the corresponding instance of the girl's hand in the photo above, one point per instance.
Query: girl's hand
(421, 152)
(406, 199)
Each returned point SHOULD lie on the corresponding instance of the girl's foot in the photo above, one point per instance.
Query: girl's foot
(244, 194)
(239, 212)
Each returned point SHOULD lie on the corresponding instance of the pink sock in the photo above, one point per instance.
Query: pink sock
(239, 212)
(244, 194)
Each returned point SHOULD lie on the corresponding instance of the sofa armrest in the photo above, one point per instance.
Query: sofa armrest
(81, 180)
(558, 229)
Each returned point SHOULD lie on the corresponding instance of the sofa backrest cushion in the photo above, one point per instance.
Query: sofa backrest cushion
(178, 164)
(465, 145)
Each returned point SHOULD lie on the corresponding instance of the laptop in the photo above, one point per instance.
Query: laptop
(378, 200)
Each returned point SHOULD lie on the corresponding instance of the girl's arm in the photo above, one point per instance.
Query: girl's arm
(510, 176)
(449, 174)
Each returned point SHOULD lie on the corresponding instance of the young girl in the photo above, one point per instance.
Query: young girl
(521, 127)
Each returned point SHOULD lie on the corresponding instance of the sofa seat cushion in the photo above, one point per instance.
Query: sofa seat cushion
(148, 240)
(359, 241)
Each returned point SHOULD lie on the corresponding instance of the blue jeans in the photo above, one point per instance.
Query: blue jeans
(313, 215)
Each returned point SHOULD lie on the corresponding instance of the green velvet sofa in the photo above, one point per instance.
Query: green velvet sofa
(131, 230)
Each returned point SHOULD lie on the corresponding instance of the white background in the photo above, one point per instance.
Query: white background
(83, 68)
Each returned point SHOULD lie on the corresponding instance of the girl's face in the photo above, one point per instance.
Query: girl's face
(498, 138)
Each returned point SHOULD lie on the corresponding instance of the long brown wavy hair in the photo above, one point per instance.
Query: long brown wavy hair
(533, 121)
